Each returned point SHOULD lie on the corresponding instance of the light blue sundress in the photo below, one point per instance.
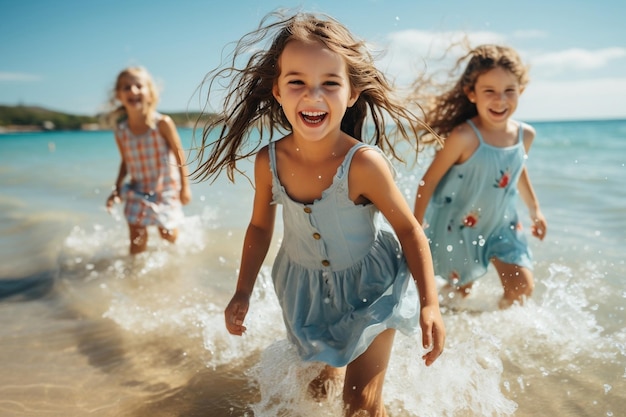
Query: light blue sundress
(472, 216)
(340, 278)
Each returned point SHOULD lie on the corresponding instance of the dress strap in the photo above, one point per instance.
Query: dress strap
(473, 126)
(272, 153)
(520, 134)
(344, 167)
(347, 160)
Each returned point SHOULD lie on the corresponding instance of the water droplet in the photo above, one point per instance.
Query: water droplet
(449, 248)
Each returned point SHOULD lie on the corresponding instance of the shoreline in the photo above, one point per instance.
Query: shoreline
(12, 129)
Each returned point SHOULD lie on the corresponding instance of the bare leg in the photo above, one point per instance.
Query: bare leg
(322, 386)
(363, 387)
(517, 282)
(138, 239)
(169, 235)
(463, 290)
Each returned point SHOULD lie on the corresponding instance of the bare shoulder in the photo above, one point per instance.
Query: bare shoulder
(369, 158)
(262, 159)
(528, 135)
(166, 125)
(529, 131)
(462, 133)
(460, 144)
(371, 176)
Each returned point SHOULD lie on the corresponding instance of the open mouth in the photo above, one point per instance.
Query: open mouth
(498, 113)
(134, 101)
(313, 117)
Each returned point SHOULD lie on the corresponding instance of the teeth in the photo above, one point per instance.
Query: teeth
(313, 113)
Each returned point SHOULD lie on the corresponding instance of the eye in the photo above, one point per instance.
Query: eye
(295, 82)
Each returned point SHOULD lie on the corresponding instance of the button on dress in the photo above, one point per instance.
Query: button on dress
(340, 276)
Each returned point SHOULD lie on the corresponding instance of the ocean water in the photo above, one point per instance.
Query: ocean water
(86, 330)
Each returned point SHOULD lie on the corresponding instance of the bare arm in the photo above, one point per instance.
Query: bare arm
(527, 193)
(256, 244)
(458, 147)
(168, 130)
(114, 197)
(371, 178)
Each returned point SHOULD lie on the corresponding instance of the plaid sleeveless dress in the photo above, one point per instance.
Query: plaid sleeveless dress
(152, 197)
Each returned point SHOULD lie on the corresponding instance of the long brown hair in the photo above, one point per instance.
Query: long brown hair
(249, 102)
(449, 109)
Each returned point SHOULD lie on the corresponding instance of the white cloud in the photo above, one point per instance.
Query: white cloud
(411, 51)
(578, 99)
(554, 63)
(546, 98)
(17, 76)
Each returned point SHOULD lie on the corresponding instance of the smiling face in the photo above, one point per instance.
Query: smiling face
(313, 89)
(496, 94)
(134, 92)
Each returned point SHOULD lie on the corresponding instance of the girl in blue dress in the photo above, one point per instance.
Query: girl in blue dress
(467, 198)
(345, 285)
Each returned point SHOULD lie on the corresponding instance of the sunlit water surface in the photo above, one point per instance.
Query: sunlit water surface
(87, 330)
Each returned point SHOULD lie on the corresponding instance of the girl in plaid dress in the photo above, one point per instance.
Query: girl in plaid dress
(152, 157)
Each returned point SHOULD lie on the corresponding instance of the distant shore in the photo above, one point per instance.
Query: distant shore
(32, 119)
(28, 119)
(11, 129)
(38, 129)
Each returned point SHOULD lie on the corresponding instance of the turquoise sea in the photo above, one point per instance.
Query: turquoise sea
(85, 330)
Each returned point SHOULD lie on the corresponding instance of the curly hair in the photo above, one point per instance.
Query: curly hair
(447, 110)
(249, 101)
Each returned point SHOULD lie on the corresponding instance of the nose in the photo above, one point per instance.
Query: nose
(134, 89)
(313, 93)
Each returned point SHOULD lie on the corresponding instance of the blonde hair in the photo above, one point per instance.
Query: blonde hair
(249, 101)
(118, 113)
(447, 110)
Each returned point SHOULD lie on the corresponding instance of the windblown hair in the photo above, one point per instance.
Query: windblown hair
(117, 111)
(446, 111)
(249, 103)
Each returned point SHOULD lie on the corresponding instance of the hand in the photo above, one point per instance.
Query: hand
(539, 226)
(185, 195)
(235, 313)
(433, 333)
(113, 199)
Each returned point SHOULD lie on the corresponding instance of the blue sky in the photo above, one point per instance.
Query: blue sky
(64, 55)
